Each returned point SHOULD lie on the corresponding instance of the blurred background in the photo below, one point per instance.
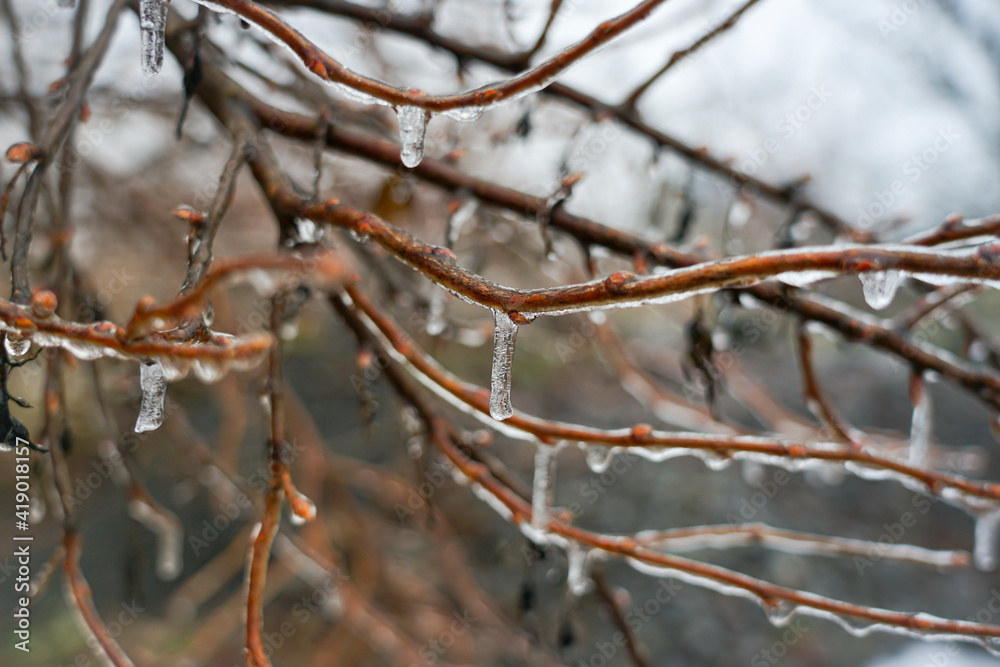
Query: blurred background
(884, 113)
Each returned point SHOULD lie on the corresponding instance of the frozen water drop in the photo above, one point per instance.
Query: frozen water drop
(541, 491)
(600, 458)
(779, 612)
(153, 22)
(154, 392)
(412, 130)
(465, 114)
(504, 334)
(880, 287)
(739, 213)
(984, 553)
(308, 231)
(303, 510)
(17, 346)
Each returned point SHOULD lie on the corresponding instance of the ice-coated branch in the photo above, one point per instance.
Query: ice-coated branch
(514, 63)
(795, 542)
(838, 317)
(270, 522)
(328, 69)
(779, 602)
(658, 445)
(816, 400)
(58, 131)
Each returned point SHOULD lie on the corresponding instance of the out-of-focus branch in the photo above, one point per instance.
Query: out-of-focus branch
(816, 400)
(636, 651)
(58, 131)
(796, 542)
(260, 549)
(678, 56)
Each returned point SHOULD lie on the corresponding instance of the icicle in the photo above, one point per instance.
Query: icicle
(436, 322)
(504, 334)
(153, 22)
(412, 130)
(880, 287)
(541, 491)
(154, 392)
(920, 428)
(577, 577)
(984, 554)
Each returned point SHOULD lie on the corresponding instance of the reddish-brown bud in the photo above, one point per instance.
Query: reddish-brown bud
(23, 151)
(44, 303)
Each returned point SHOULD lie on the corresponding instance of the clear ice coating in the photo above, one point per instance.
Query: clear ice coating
(541, 490)
(412, 131)
(154, 392)
(153, 23)
(504, 334)
(880, 287)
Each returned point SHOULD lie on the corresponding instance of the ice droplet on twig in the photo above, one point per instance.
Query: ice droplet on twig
(17, 346)
(541, 490)
(600, 458)
(880, 287)
(154, 392)
(779, 612)
(984, 553)
(504, 334)
(412, 130)
(153, 22)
